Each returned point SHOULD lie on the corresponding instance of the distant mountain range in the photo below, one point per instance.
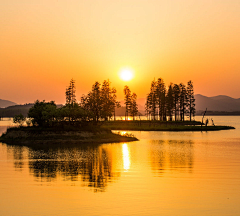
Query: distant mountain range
(6, 103)
(11, 111)
(218, 105)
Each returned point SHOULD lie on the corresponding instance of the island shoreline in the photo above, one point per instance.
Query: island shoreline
(57, 136)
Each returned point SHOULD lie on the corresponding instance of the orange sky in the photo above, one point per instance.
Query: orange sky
(43, 44)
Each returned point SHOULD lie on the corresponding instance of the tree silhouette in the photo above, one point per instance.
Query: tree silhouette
(127, 100)
(176, 96)
(190, 100)
(177, 100)
(161, 99)
(147, 107)
(151, 103)
(71, 93)
(101, 102)
(108, 95)
(134, 107)
(182, 101)
(170, 101)
(95, 101)
(116, 104)
(43, 113)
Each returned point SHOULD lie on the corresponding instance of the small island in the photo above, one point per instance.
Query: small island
(52, 136)
(93, 119)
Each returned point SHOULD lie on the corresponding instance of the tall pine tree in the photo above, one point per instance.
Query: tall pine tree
(127, 100)
(190, 100)
(71, 93)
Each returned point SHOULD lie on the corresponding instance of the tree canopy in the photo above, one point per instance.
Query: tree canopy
(101, 102)
(178, 101)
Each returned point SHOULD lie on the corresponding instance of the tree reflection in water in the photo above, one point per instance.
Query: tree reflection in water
(19, 155)
(96, 166)
(171, 154)
(92, 164)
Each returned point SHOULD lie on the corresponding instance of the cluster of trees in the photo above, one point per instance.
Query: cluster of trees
(130, 100)
(101, 102)
(47, 114)
(178, 101)
(98, 104)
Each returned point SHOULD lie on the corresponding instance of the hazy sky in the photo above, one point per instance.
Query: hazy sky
(43, 44)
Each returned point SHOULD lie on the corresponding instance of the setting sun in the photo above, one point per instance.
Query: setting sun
(126, 74)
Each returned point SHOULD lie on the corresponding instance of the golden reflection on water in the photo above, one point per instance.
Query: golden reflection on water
(126, 157)
(171, 154)
(91, 165)
(162, 174)
(97, 166)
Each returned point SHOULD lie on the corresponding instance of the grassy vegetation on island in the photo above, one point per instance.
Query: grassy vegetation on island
(34, 135)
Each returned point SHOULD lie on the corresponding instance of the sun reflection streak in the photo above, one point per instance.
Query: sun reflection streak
(126, 157)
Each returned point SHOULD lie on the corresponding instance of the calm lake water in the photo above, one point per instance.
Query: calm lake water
(165, 173)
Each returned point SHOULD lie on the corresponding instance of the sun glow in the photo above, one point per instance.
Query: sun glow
(126, 74)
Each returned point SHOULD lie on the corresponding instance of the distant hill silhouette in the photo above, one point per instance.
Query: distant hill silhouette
(220, 103)
(11, 111)
(6, 103)
(217, 103)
